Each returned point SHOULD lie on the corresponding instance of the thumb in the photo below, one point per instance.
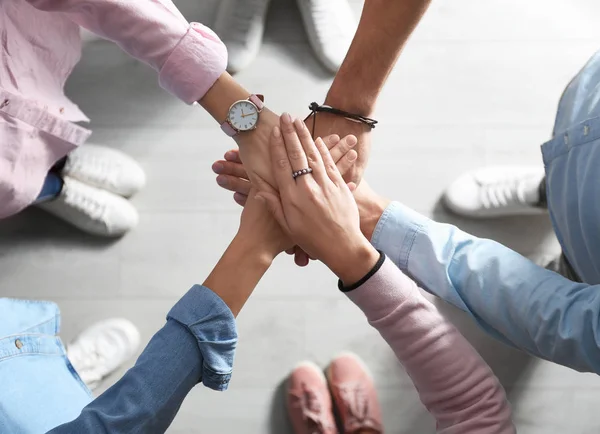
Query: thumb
(274, 206)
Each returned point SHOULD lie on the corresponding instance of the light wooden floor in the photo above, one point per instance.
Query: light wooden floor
(478, 84)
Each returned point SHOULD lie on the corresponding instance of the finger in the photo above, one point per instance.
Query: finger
(352, 186)
(234, 184)
(347, 161)
(233, 156)
(240, 198)
(312, 153)
(301, 258)
(290, 251)
(230, 168)
(331, 140)
(274, 205)
(282, 168)
(332, 171)
(293, 146)
(341, 148)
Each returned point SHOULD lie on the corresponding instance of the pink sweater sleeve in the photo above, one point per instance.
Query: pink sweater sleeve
(454, 383)
(189, 58)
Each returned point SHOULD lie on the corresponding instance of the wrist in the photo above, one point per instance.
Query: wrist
(351, 98)
(221, 96)
(354, 262)
(254, 252)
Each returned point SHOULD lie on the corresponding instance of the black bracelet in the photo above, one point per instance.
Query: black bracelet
(316, 108)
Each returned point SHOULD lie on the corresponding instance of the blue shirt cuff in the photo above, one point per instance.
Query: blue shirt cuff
(212, 324)
(396, 232)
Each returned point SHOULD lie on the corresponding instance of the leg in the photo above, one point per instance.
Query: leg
(85, 190)
(51, 189)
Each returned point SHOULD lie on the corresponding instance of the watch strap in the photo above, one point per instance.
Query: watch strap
(257, 100)
(228, 129)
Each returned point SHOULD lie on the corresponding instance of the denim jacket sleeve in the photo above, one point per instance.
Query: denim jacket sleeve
(197, 344)
(510, 297)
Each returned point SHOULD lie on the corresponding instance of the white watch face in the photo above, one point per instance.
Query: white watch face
(243, 116)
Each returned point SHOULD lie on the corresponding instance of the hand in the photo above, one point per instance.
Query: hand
(232, 176)
(254, 148)
(327, 124)
(317, 210)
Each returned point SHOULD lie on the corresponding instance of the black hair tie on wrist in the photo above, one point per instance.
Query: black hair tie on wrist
(316, 108)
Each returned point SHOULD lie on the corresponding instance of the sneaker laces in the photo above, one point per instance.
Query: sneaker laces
(86, 356)
(103, 172)
(355, 401)
(311, 407)
(503, 193)
(85, 203)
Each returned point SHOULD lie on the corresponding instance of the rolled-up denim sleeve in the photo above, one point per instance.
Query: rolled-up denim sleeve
(510, 297)
(197, 344)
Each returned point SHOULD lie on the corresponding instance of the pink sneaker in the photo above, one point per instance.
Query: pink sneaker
(308, 401)
(354, 395)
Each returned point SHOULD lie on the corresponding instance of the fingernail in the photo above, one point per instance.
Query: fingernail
(299, 124)
(222, 181)
(276, 132)
(286, 118)
(217, 167)
(352, 156)
(259, 198)
(352, 141)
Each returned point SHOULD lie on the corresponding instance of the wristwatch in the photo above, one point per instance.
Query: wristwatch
(243, 115)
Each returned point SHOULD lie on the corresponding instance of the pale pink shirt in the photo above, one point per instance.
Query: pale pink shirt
(40, 45)
(455, 384)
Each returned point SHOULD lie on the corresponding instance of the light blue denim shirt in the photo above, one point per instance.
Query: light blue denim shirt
(510, 297)
(40, 390)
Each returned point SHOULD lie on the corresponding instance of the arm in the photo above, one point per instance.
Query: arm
(197, 343)
(384, 29)
(190, 60)
(514, 300)
(453, 381)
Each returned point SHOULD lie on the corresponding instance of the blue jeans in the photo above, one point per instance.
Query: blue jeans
(34, 370)
(52, 187)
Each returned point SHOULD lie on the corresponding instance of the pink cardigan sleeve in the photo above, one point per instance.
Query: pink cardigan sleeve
(454, 383)
(189, 58)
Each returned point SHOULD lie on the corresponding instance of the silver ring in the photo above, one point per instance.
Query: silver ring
(301, 172)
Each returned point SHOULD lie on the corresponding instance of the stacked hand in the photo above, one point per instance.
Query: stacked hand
(315, 211)
(233, 175)
(327, 124)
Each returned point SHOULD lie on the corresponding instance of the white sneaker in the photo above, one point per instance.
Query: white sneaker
(102, 348)
(241, 25)
(92, 210)
(330, 25)
(105, 168)
(496, 191)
